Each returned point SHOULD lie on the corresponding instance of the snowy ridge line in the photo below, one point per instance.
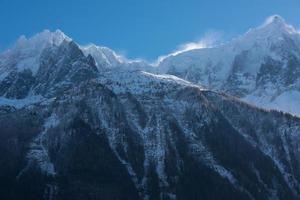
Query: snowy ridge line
(232, 67)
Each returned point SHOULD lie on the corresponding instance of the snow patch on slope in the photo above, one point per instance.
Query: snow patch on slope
(287, 102)
(38, 152)
(20, 103)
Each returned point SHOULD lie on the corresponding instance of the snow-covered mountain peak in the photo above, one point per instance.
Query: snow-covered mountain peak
(276, 23)
(41, 39)
(273, 32)
(274, 27)
(264, 63)
(25, 53)
(33, 46)
(275, 19)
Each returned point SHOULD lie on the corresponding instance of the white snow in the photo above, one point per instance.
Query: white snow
(31, 63)
(3, 75)
(20, 103)
(258, 40)
(26, 52)
(38, 153)
(211, 67)
(103, 56)
(287, 102)
(140, 82)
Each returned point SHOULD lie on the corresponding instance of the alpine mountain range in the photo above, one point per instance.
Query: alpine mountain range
(82, 122)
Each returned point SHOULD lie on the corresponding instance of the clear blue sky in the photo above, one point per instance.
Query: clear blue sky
(138, 28)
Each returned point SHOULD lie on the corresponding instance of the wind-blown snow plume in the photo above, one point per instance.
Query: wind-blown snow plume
(209, 39)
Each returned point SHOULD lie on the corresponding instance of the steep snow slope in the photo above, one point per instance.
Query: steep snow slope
(107, 59)
(103, 56)
(259, 67)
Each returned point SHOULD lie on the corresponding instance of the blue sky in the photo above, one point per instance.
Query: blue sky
(139, 28)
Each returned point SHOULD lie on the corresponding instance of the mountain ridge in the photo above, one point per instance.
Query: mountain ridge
(78, 129)
(261, 67)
